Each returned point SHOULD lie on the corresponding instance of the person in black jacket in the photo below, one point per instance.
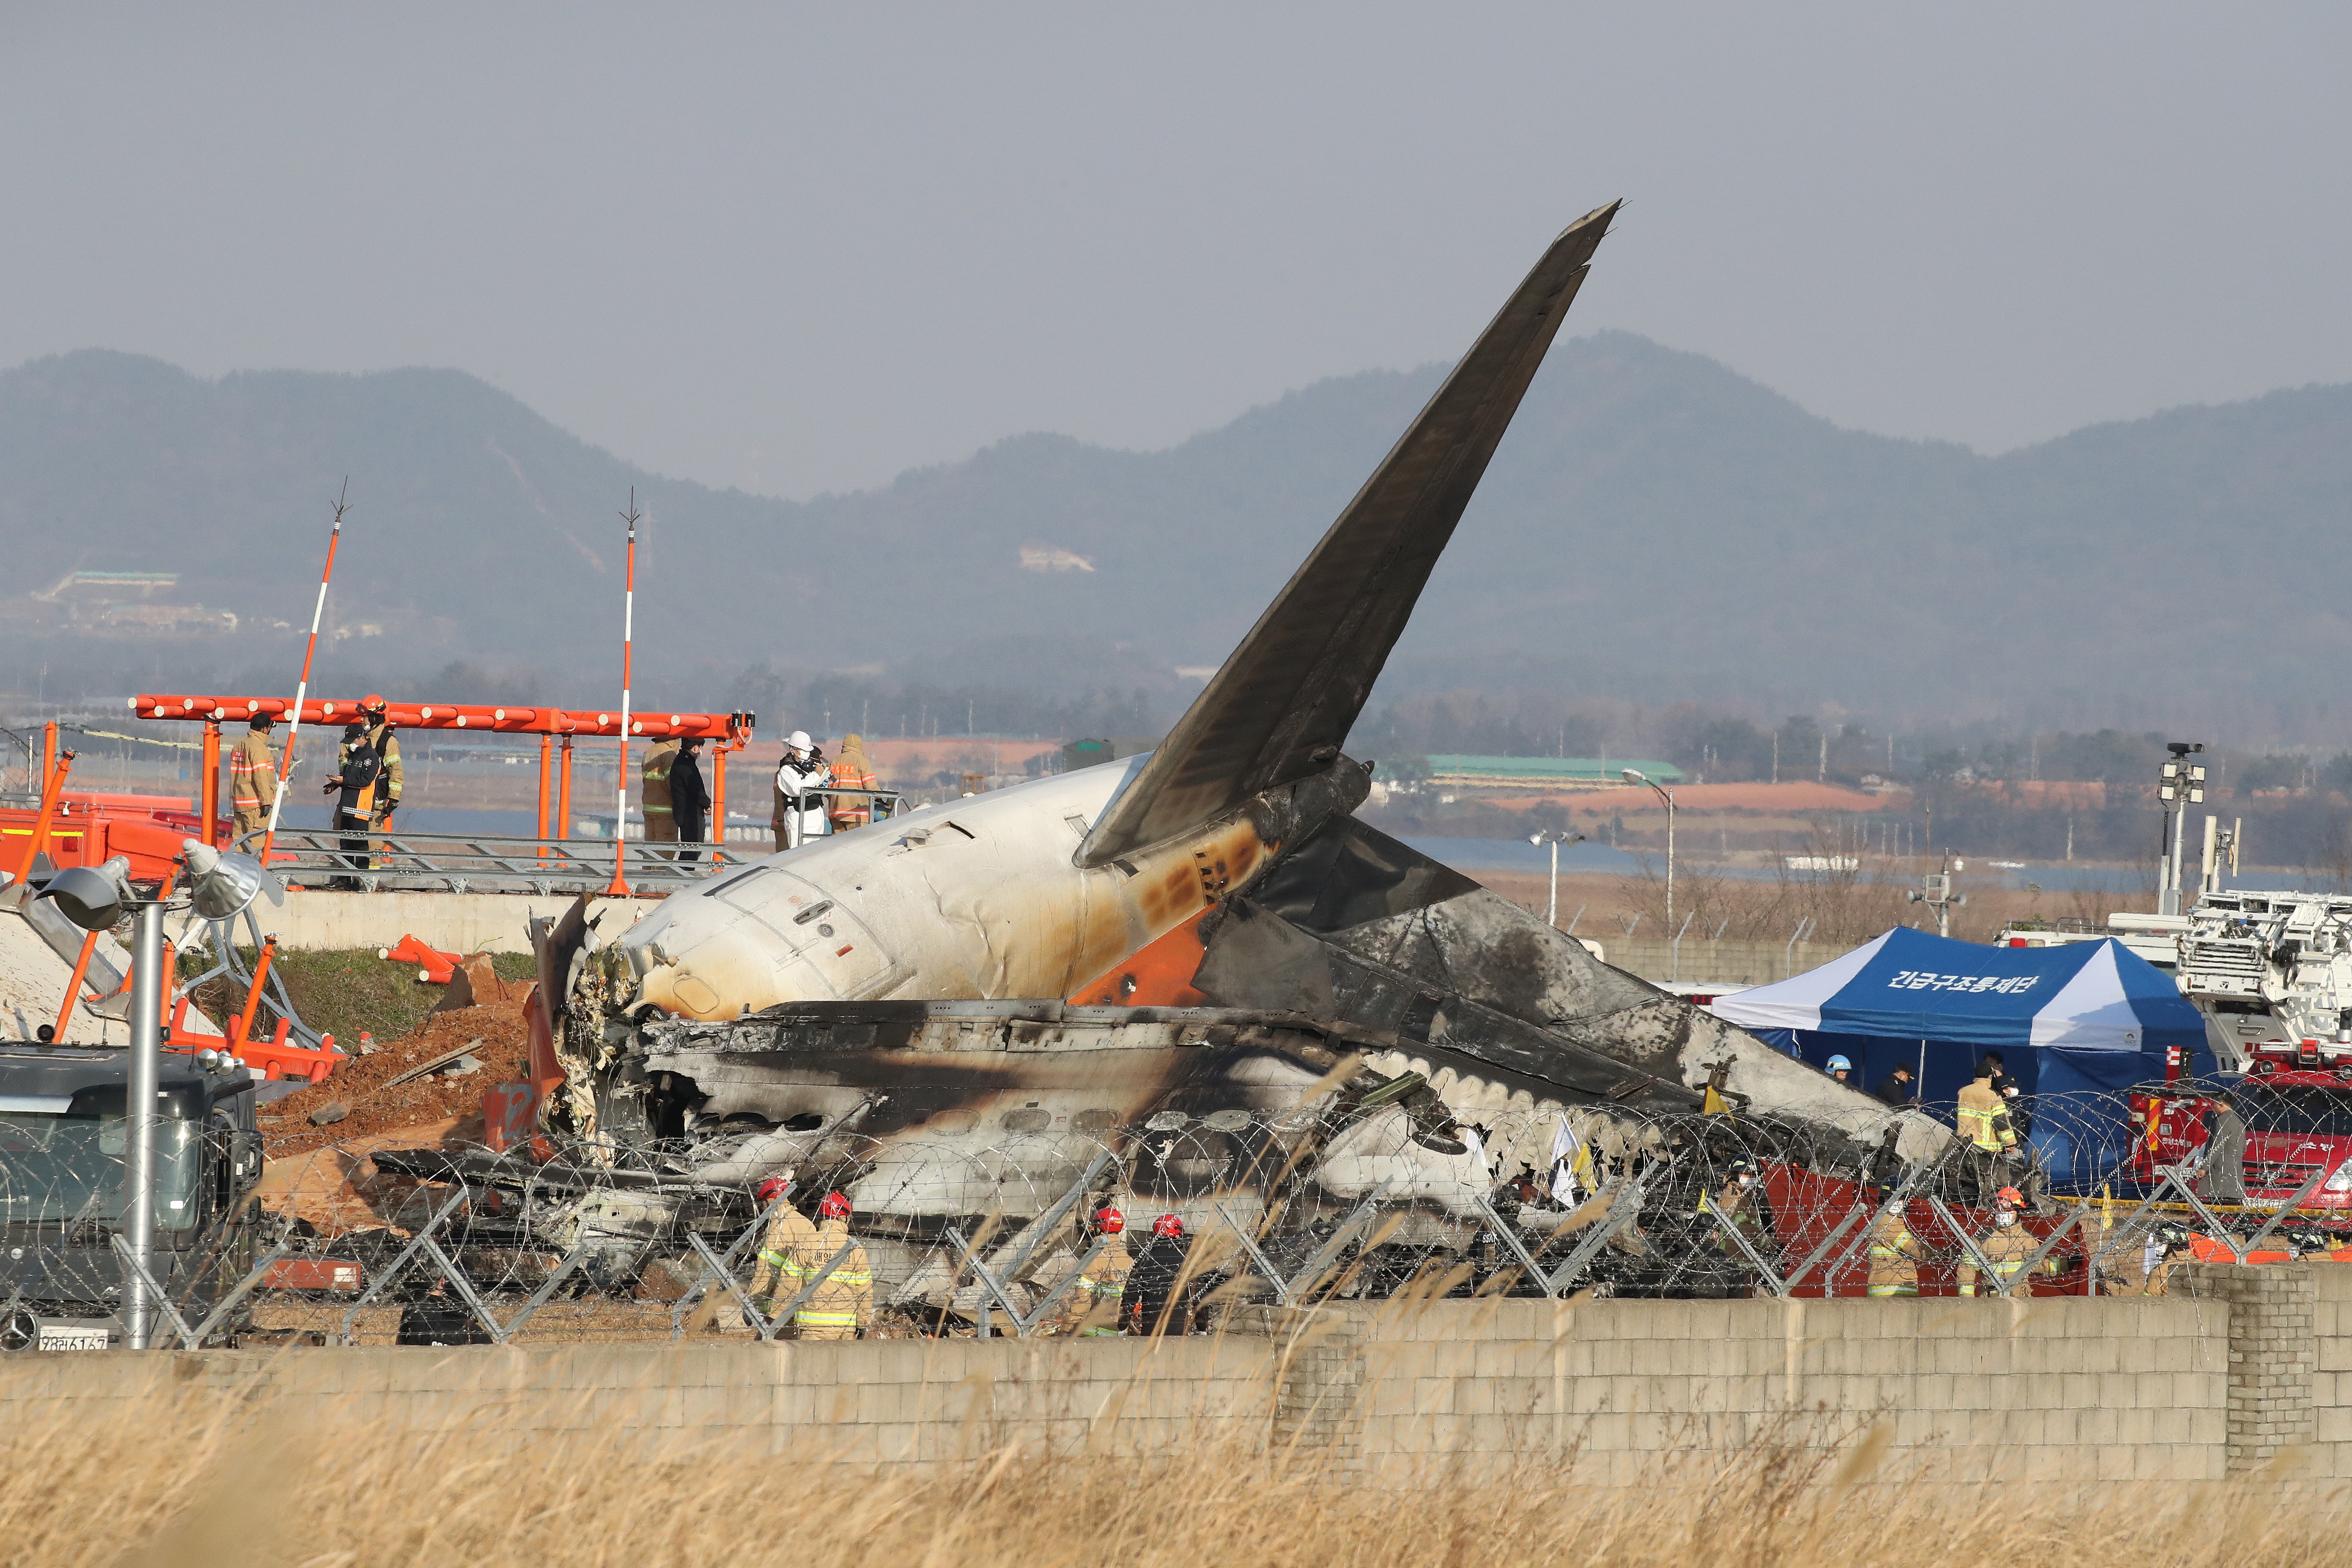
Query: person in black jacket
(1154, 1303)
(689, 798)
(1895, 1088)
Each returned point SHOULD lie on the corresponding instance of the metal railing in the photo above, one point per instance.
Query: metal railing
(482, 863)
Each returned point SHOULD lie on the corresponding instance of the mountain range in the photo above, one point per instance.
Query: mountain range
(1655, 527)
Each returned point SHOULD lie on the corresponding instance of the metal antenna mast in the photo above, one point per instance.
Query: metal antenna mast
(318, 612)
(620, 887)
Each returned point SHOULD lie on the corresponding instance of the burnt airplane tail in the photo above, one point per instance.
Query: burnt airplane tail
(1281, 706)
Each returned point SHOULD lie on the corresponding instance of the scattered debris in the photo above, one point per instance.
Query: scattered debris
(391, 1090)
(328, 1114)
(427, 1068)
(432, 966)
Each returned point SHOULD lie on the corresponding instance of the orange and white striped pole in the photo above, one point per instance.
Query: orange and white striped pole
(302, 687)
(620, 886)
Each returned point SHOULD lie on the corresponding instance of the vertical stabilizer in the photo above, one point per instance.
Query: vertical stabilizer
(1281, 706)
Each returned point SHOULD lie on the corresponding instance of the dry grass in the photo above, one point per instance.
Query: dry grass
(169, 1480)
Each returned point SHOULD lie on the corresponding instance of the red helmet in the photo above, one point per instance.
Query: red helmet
(771, 1189)
(1109, 1221)
(834, 1206)
(2010, 1198)
(371, 703)
(1168, 1224)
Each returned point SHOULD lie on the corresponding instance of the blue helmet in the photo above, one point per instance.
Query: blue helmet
(1839, 1064)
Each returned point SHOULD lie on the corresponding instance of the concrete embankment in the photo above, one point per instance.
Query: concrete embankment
(312, 920)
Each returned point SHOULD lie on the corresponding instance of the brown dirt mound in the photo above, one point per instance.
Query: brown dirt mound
(493, 1030)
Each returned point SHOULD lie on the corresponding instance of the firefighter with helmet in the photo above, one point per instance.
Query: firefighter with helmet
(1894, 1253)
(787, 1229)
(1841, 1070)
(1091, 1306)
(1737, 1205)
(1154, 1302)
(368, 778)
(841, 1306)
(2008, 1246)
(253, 776)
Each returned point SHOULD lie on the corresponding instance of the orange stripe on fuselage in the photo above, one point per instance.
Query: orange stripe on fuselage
(1158, 974)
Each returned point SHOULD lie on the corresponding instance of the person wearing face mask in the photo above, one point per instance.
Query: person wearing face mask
(1739, 1205)
(799, 815)
(2008, 1246)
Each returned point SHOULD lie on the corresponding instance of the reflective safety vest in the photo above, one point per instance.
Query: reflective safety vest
(252, 772)
(1095, 1300)
(1983, 1119)
(2005, 1248)
(1735, 1206)
(850, 811)
(843, 1299)
(787, 1229)
(653, 790)
(1892, 1271)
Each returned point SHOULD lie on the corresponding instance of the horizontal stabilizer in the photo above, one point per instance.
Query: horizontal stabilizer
(1281, 707)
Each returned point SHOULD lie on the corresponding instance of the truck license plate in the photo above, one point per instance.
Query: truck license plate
(60, 1337)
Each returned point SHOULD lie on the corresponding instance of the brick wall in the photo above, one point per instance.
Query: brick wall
(870, 1402)
(2245, 1373)
(2085, 1389)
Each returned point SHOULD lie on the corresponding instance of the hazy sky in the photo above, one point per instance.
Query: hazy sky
(801, 249)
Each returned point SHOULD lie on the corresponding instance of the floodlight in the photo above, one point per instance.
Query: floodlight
(221, 885)
(2197, 773)
(91, 897)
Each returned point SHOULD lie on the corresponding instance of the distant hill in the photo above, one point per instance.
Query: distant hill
(1655, 526)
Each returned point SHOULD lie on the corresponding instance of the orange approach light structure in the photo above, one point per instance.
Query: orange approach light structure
(731, 731)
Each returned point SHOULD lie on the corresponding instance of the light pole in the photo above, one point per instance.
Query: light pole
(1635, 775)
(1555, 838)
(2180, 785)
(218, 888)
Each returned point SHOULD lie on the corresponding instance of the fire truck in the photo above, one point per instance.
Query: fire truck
(2268, 970)
(2296, 1100)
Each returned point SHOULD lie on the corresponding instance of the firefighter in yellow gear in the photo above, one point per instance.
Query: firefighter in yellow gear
(1893, 1254)
(850, 772)
(1740, 1204)
(2008, 1246)
(842, 1305)
(253, 776)
(787, 1229)
(1091, 1306)
(653, 791)
(1985, 1127)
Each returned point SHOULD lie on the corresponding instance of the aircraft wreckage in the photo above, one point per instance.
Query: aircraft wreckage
(1196, 960)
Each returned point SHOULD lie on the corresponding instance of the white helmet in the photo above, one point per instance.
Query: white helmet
(798, 741)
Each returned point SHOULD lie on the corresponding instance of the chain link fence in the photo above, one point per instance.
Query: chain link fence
(964, 1228)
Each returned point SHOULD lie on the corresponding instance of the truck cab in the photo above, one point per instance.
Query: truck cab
(2296, 1100)
(63, 1137)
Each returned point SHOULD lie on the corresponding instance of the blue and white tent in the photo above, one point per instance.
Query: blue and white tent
(2075, 1023)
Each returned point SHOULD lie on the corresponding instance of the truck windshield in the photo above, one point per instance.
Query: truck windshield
(70, 1167)
(2299, 1113)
